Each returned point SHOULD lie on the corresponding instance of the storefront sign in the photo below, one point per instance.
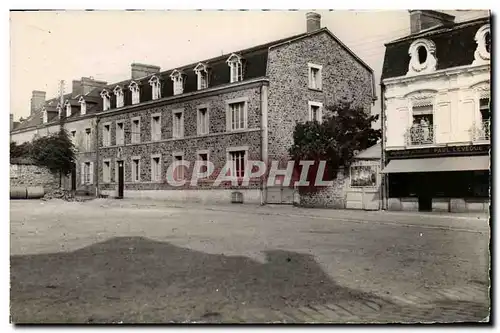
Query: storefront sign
(439, 151)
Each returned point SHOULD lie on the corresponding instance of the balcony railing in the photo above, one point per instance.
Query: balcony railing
(419, 135)
(481, 131)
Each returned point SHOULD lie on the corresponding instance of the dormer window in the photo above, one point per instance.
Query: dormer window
(178, 79)
(483, 40)
(83, 106)
(423, 57)
(119, 96)
(106, 101)
(134, 88)
(235, 64)
(201, 71)
(68, 109)
(155, 87)
(44, 116)
(59, 111)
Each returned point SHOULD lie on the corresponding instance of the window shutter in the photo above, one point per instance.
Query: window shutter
(320, 79)
(82, 173)
(91, 173)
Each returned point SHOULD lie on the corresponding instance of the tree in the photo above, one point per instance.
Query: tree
(55, 152)
(345, 130)
(22, 150)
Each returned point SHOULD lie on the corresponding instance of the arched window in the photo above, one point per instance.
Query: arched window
(235, 63)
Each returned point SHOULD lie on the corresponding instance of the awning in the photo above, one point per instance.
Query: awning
(456, 163)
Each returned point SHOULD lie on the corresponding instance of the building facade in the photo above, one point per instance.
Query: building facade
(436, 115)
(234, 108)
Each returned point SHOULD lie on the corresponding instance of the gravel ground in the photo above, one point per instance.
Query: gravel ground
(138, 261)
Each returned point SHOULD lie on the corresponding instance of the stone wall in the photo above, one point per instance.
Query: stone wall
(328, 197)
(28, 175)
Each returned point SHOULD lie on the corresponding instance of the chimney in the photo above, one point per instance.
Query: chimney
(313, 21)
(76, 88)
(37, 100)
(142, 70)
(88, 84)
(425, 19)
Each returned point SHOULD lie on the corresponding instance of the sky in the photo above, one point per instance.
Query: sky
(46, 47)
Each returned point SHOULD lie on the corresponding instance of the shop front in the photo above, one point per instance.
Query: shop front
(449, 179)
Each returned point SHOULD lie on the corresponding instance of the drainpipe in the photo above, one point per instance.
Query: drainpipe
(383, 187)
(264, 90)
(96, 167)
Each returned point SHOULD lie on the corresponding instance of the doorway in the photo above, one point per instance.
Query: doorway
(73, 177)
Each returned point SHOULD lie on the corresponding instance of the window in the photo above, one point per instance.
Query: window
(106, 171)
(106, 135)
(315, 111)
(237, 159)
(178, 124)
(117, 166)
(106, 101)
(155, 86)
(236, 116)
(68, 109)
(202, 120)
(178, 79)
(44, 116)
(203, 156)
(88, 139)
(201, 71)
(83, 106)
(484, 108)
(136, 169)
(134, 88)
(120, 134)
(483, 40)
(87, 173)
(136, 130)
(59, 111)
(422, 57)
(235, 63)
(155, 127)
(73, 136)
(315, 79)
(421, 131)
(156, 168)
(179, 169)
(119, 96)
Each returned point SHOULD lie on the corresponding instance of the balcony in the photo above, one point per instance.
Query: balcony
(480, 132)
(420, 135)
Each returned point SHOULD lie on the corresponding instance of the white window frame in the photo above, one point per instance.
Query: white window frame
(136, 96)
(156, 178)
(429, 65)
(229, 123)
(203, 151)
(154, 81)
(68, 109)
(310, 104)
(155, 136)
(87, 178)
(106, 177)
(136, 176)
(178, 80)
(106, 100)
(201, 70)
(481, 55)
(199, 128)
(88, 138)
(83, 106)
(72, 137)
(135, 135)
(45, 117)
(174, 156)
(176, 135)
(118, 91)
(318, 85)
(229, 152)
(106, 135)
(235, 63)
(120, 139)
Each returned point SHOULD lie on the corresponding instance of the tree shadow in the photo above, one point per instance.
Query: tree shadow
(135, 279)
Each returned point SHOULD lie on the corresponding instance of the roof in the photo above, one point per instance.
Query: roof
(373, 152)
(455, 46)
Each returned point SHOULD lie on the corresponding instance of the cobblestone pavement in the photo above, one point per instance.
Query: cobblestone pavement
(161, 262)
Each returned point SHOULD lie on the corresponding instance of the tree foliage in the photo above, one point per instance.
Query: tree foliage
(22, 150)
(344, 131)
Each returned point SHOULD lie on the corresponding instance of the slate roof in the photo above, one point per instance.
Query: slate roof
(455, 46)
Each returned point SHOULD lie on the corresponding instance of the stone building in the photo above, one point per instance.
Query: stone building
(436, 115)
(237, 107)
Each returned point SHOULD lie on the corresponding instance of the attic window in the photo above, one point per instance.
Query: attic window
(178, 79)
(59, 110)
(155, 86)
(68, 109)
(44, 116)
(83, 106)
(422, 57)
(201, 71)
(235, 64)
(134, 88)
(106, 101)
(119, 96)
(483, 40)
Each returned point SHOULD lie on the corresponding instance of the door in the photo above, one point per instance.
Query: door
(73, 177)
(280, 195)
(425, 193)
(120, 179)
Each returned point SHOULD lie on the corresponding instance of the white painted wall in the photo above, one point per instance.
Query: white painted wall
(455, 93)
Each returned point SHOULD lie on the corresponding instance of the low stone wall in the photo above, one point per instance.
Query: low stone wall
(29, 175)
(327, 197)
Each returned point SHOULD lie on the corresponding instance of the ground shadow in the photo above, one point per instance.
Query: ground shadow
(135, 279)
